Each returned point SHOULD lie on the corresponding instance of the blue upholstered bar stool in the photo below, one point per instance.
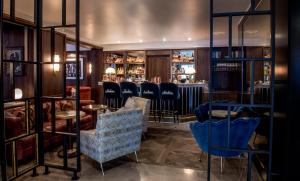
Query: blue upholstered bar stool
(170, 96)
(129, 89)
(112, 94)
(151, 91)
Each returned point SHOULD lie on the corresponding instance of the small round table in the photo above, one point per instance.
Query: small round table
(94, 108)
(223, 113)
(68, 116)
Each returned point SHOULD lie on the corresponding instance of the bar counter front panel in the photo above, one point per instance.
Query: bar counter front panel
(191, 96)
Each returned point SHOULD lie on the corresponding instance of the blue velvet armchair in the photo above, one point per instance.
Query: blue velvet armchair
(241, 131)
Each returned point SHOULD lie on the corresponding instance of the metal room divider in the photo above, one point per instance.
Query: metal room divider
(242, 61)
(9, 159)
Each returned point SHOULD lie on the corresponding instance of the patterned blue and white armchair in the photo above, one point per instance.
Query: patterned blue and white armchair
(117, 134)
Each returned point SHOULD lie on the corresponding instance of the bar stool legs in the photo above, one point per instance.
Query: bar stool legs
(169, 107)
(155, 110)
(112, 103)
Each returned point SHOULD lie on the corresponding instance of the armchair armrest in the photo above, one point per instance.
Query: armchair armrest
(90, 144)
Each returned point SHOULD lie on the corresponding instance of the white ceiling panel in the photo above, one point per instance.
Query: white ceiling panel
(134, 22)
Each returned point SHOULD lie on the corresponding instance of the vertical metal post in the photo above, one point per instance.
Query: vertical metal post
(230, 37)
(2, 123)
(52, 37)
(38, 11)
(249, 170)
(64, 12)
(252, 69)
(273, 30)
(210, 88)
(12, 10)
(243, 67)
(228, 125)
(252, 5)
(78, 84)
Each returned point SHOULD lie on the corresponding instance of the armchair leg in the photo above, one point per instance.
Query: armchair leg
(136, 157)
(240, 167)
(102, 169)
(222, 164)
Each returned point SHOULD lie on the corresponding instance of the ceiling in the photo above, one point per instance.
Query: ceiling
(144, 24)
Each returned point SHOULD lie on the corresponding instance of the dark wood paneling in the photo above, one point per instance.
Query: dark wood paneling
(14, 36)
(158, 52)
(202, 64)
(255, 52)
(53, 81)
(96, 58)
(158, 66)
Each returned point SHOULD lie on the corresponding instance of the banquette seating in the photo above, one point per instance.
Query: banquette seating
(15, 119)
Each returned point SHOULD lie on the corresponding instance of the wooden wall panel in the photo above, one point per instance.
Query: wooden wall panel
(14, 37)
(52, 81)
(159, 65)
(255, 52)
(96, 58)
(202, 64)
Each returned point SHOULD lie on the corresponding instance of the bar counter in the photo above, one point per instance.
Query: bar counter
(191, 96)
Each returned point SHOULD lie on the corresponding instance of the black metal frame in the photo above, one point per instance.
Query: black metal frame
(251, 12)
(3, 140)
(38, 98)
(77, 97)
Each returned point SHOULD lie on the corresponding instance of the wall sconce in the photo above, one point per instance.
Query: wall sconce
(90, 68)
(18, 93)
(56, 66)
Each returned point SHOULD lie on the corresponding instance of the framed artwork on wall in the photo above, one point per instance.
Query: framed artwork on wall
(15, 54)
(71, 68)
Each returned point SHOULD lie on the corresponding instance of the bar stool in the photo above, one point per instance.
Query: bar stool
(112, 94)
(128, 89)
(151, 91)
(170, 96)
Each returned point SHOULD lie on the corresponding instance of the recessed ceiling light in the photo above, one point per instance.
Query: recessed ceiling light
(119, 41)
(164, 39)
(189, 39)
(141, 41)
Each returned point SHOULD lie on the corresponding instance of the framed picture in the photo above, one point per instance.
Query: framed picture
(71, 68)
(16, 54)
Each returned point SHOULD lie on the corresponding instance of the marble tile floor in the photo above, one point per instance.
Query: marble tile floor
(132, 171)
(169, 153)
